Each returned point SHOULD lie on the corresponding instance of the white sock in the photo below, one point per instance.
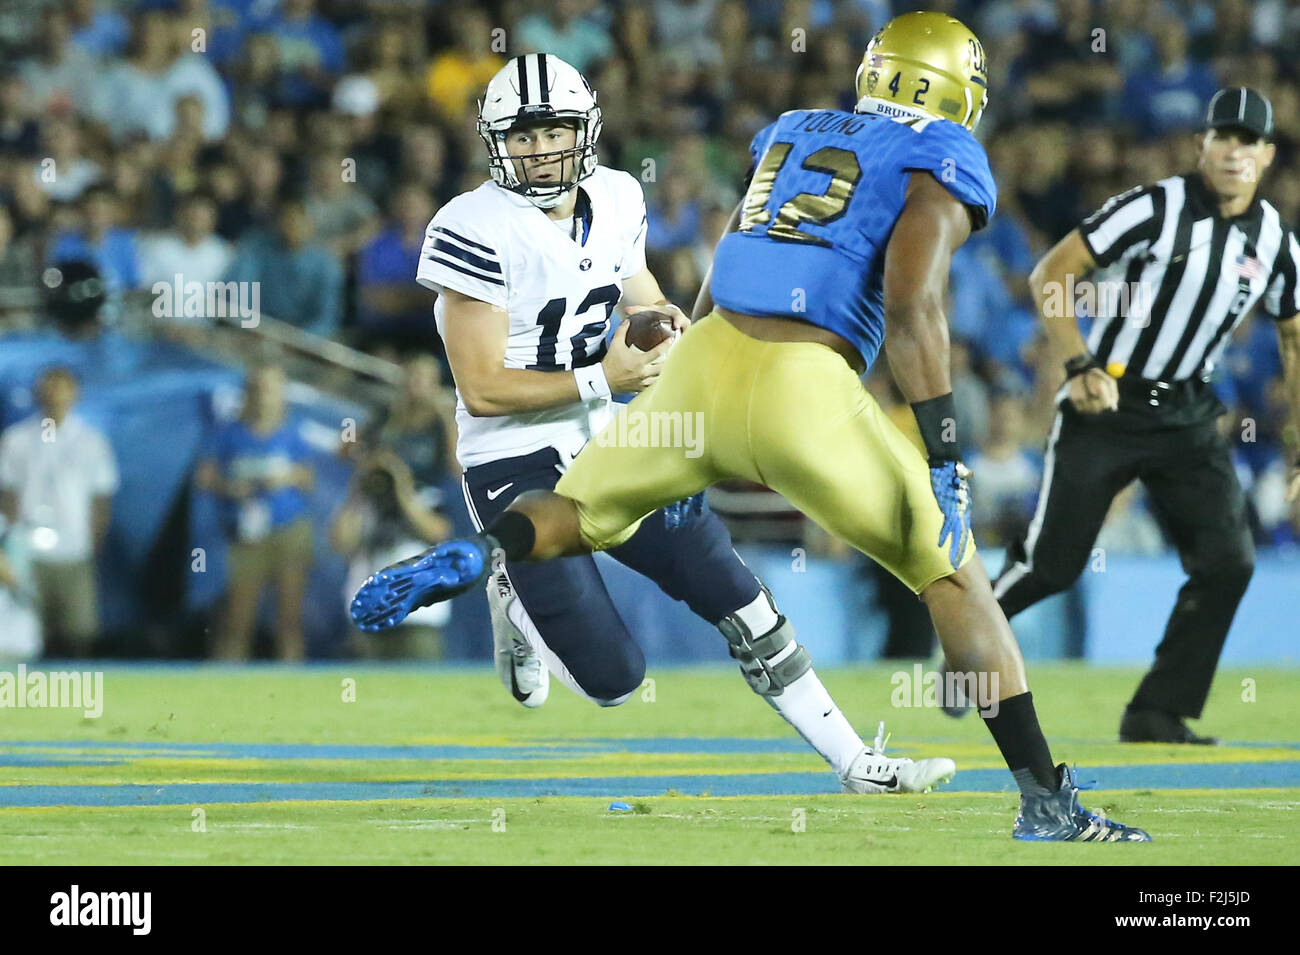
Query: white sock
(807, 707)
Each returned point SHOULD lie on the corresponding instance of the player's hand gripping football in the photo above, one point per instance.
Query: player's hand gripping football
(1094, 391)
(664, 310)
(630, 370)
(637, 353)
(950, 481)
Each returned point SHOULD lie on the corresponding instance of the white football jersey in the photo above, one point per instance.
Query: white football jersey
(494, 245)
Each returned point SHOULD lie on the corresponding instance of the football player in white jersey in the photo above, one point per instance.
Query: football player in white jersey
(528, 269)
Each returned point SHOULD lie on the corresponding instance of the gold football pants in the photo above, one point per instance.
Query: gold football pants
(790, 415)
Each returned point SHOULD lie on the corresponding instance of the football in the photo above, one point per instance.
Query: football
(645, 330)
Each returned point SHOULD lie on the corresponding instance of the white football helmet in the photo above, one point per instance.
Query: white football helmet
(532, 88)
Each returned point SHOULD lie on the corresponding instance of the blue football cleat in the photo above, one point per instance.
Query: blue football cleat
(440, 573)
(1057, 817)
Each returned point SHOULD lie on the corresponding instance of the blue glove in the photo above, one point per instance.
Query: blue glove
(949, 482)
(680, 514)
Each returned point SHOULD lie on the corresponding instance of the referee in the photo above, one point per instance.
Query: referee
(1194, 253)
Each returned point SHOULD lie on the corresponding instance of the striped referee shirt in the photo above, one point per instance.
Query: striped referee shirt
(1188, 276)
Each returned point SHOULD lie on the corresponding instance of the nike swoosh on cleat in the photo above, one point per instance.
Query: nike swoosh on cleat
(514, 687)
(493, 495)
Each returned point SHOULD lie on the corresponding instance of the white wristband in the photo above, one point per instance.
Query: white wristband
(592, 382)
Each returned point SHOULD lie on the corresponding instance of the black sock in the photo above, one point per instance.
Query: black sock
(515, 533)
(1015, 730)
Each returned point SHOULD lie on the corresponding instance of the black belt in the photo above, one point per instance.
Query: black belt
(1148, 393)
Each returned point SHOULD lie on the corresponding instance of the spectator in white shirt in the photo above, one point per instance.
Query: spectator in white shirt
(141, 94)
(57, 480)
(20, 625)
(192, 250)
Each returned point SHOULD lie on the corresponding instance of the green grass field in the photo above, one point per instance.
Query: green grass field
(272, 765)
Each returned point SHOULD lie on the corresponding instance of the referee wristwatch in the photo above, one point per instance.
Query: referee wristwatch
(1081, 364)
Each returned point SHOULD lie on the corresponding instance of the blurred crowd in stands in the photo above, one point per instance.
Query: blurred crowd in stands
(305, 144)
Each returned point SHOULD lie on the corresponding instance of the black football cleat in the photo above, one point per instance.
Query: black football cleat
(1153, 726)
(1057, 817)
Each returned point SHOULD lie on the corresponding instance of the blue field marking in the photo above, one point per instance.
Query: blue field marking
(39, 759)
(1109, 778)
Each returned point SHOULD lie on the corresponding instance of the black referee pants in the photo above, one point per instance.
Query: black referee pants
(1167, 439)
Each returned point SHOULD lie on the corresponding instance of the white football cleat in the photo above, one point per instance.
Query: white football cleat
(874, 772)
(519, 667)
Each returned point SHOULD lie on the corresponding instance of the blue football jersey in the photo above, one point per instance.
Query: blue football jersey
(828, 187)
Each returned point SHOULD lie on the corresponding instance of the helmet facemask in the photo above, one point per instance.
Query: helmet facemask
(512, 172)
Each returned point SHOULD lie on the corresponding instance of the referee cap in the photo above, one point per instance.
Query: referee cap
(1242, 108)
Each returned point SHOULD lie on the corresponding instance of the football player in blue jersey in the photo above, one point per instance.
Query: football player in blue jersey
(842, 244)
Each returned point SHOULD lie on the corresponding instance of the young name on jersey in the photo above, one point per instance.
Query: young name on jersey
(827, 189)
(559, 293)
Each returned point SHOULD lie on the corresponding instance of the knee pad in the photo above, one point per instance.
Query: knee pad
(770, 661)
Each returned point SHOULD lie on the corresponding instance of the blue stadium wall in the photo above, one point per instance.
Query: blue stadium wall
(832, 608)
